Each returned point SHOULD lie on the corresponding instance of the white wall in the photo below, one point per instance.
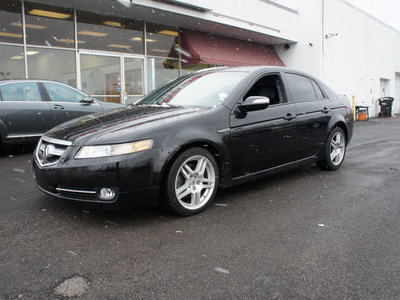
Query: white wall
(306, 54)
(354, 61)
(272, 19)
(364, 52)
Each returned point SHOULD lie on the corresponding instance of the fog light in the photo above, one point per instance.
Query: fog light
(107, 194)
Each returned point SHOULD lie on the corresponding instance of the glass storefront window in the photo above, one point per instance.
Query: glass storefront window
(52, 64)
(107, 33)
(49, 26)
(11, 62)
(162, 40)
(101, 76)
(10, 22)
(160, 71)
(133, 76)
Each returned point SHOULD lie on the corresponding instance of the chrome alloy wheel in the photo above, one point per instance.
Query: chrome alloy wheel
(195, 182)
(337, 148)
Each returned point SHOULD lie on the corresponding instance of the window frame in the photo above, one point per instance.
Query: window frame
(283, 94)
(47, 94)
(292, 92)
(324, 95)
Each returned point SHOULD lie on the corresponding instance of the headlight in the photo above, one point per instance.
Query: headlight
(112, 150)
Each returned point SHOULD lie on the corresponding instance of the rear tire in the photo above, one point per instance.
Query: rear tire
(192, 182)
(335, 150)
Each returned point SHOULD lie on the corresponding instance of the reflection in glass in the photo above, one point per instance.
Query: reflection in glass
(195, 68)
(27, 91)
(10, 21)
(160, 71)
(107, 33)
(133, 76)
(49, 26)
(52, 64)
(162, 40)
(11, 62)
(101, 76)
(196, 90)
(61, 93)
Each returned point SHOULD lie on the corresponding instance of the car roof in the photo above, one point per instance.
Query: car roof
(26, 80)
(255, 69)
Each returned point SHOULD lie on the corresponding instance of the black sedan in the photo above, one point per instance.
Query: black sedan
(177, 145)
(28, 108)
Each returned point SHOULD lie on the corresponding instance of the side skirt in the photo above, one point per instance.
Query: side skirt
(264, 173)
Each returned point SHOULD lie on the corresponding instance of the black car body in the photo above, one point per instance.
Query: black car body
(29, 108)
(217, 127)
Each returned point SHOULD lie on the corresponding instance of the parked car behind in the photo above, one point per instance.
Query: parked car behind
(28, 108)
(180, 143)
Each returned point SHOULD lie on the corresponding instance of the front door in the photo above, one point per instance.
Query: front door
(264, 139)
(113, 78)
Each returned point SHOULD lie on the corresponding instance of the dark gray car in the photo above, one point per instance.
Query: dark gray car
(29, 108)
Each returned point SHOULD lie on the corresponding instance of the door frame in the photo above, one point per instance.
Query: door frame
(123, 95)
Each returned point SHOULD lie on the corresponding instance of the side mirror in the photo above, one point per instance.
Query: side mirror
(254, 103)
(87, 100)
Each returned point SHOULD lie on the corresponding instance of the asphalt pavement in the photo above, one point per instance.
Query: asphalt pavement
(301, 234)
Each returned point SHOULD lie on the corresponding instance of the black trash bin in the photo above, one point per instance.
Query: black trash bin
(386, 104)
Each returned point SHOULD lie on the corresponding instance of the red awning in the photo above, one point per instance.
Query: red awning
(198, 47)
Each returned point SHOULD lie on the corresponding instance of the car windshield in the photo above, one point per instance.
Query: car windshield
(195, 90)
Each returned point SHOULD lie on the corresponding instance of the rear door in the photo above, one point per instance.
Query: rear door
(263, 139)
(23, 113)
(66, 103)
(313, 111)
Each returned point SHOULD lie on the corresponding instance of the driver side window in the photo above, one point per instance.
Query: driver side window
(62, 93)
(268, 86)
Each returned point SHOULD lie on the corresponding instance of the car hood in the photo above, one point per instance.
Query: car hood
(119, 125)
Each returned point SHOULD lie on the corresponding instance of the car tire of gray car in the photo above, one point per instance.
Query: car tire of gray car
(192, 182)
(335, 150)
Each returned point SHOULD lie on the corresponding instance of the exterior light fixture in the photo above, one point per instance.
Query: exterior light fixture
(329, 35)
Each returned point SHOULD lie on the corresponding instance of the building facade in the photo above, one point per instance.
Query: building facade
(119, 50)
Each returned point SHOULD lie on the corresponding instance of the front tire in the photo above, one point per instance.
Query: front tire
(335, 150)
(192, 182)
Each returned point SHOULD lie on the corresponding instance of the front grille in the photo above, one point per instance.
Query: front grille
(49, 151)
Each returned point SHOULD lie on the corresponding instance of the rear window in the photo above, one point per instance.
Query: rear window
(318, 90)
(24, 91)
(301, 86)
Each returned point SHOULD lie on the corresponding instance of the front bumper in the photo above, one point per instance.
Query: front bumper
(131, 177)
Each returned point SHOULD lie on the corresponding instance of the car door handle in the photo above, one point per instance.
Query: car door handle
(326, 110)
(289, 117)
(58, 106)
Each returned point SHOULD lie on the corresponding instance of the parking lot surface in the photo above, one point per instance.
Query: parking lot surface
(301, 234)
